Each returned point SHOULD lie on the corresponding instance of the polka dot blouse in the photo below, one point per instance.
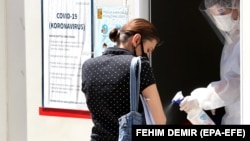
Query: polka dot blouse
(105, 83)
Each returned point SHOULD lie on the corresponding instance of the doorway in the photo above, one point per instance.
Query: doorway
(190, 55)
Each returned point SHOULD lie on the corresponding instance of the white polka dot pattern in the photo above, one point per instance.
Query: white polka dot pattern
(106, 86)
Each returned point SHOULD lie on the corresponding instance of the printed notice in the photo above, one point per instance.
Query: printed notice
(66, 45)
(107, 18)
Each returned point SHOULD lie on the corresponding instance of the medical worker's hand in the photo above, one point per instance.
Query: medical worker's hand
(188, 103)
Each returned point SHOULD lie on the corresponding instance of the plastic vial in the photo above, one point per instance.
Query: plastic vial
(196, 116)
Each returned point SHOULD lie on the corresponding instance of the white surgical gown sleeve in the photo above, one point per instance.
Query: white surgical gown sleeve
(227, 90)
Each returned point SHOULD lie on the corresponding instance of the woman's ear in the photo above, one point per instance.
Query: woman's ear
(136, 39)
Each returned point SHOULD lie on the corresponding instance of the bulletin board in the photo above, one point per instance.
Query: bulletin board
(66, 44)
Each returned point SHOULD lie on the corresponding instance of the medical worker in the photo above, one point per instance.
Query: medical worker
(225, 15)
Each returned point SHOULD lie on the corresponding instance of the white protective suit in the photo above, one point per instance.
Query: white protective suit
(225, 92)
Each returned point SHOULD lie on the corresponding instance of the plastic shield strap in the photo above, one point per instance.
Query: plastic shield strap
(219, 14)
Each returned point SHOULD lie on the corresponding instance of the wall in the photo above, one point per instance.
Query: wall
(16, 71)
(245, 67)
(3, 73)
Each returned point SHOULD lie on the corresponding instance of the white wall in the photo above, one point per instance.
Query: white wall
(3, 73)
(16, 81)
(245, 66)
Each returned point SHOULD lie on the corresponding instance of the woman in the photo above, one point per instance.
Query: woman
(105, 79)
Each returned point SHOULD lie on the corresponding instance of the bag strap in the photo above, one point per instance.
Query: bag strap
(135, 83)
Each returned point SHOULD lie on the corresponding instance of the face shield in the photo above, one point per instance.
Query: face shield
(222, 16)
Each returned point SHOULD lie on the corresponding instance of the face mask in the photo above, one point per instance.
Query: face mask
(143, 53)
(224, 22)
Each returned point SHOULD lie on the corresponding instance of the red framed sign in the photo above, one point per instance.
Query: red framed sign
(66, 44)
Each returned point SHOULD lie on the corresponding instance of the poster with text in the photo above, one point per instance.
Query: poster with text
(107, 18)
(66, 44)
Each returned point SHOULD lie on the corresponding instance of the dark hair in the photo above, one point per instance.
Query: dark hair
(114, 35)
(138, 25)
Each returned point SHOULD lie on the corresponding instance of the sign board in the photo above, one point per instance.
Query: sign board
(66, 44)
